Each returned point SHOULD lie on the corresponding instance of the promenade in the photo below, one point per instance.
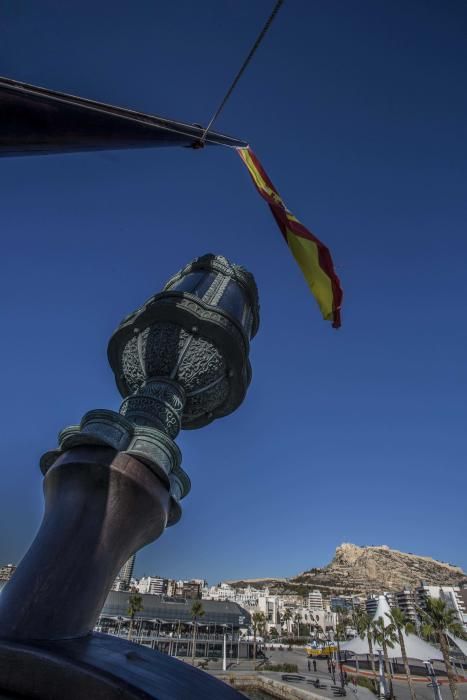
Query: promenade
(298, 656)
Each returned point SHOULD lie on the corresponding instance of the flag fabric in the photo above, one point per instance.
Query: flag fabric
(312, 256)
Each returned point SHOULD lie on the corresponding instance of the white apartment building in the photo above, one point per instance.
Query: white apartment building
(221, 592)
(247, 597)
(451, 595)
(269, 605)
(154, 585)
(315, 600)
(405, 600)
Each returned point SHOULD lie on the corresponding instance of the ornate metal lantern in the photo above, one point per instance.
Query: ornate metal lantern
(180, 361)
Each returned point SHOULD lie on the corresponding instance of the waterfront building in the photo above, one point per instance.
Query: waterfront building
(372, 601)
(126, 572)
(248, 597)
(462, 597)
(223, 591)
(315, 600)
(342, 603)
(269, 606)
(185, 589)
(321, 622)
(452, 596)
(7, 571)
(155, 585)
(177, 610)
(290, 600)
(123, 580)
(405, 600)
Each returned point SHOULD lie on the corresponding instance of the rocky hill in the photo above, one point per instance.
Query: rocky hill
(370, 569)
(366, 570)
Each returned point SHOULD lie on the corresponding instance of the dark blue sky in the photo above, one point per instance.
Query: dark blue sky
(358, 111)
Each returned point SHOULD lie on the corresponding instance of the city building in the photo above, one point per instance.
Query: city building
(123, 580)
(315, 600)
(154, 585)
(405, 600)
(371, 602)
(177, 610)
(269, 606)
(342, 603)
(223, 591)
(452, 596)
(185, 589)
(462, 595)
(7, 571)
(248, 597)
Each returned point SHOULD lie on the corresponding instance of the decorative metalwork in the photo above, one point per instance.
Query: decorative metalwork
(180, 361)
(195, 333)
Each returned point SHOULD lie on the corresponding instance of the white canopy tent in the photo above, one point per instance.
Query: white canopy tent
(416, 648)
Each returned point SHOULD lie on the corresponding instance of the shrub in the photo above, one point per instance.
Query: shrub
(367, 683)
(282, 668)
(297, 641)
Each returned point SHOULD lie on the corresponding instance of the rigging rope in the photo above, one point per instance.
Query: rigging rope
(247, 60)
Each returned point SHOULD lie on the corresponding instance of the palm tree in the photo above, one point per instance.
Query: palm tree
(364, 627)
(359, 625)
(135, 605)
(343, 621)
(439, 620)
(403, 625)
(297, 619)
(258, 620)
(341, 631)
(197, 611)
(286, 617)
(386, 636)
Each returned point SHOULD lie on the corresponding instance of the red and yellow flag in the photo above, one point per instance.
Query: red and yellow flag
(312, 256)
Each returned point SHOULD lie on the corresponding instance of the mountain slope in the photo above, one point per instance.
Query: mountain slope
(365, 570)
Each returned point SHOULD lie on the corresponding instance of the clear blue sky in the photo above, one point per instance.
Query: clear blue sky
(358, 110)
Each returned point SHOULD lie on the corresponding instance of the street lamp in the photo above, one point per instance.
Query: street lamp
(381, 677)
(433, 680)
(224, 649)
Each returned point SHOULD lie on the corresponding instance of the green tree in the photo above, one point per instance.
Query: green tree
(386, 635)
(343, 621)
(438, 621)
(363, 624)
(258, 621)
(403, 625)
(286, 617)
(297, 619)
(135, 605)
(359, 625)
(197, 611)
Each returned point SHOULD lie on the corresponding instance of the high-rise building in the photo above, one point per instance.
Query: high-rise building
(371, 602)
(341, 603)
(7, 571)
(123, 580)
(451, 595)
(405, 600)
(315, 600)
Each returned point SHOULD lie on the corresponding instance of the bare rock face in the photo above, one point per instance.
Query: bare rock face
(364, 570)
(371, 569)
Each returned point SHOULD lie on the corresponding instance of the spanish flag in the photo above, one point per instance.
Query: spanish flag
(311, 255)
